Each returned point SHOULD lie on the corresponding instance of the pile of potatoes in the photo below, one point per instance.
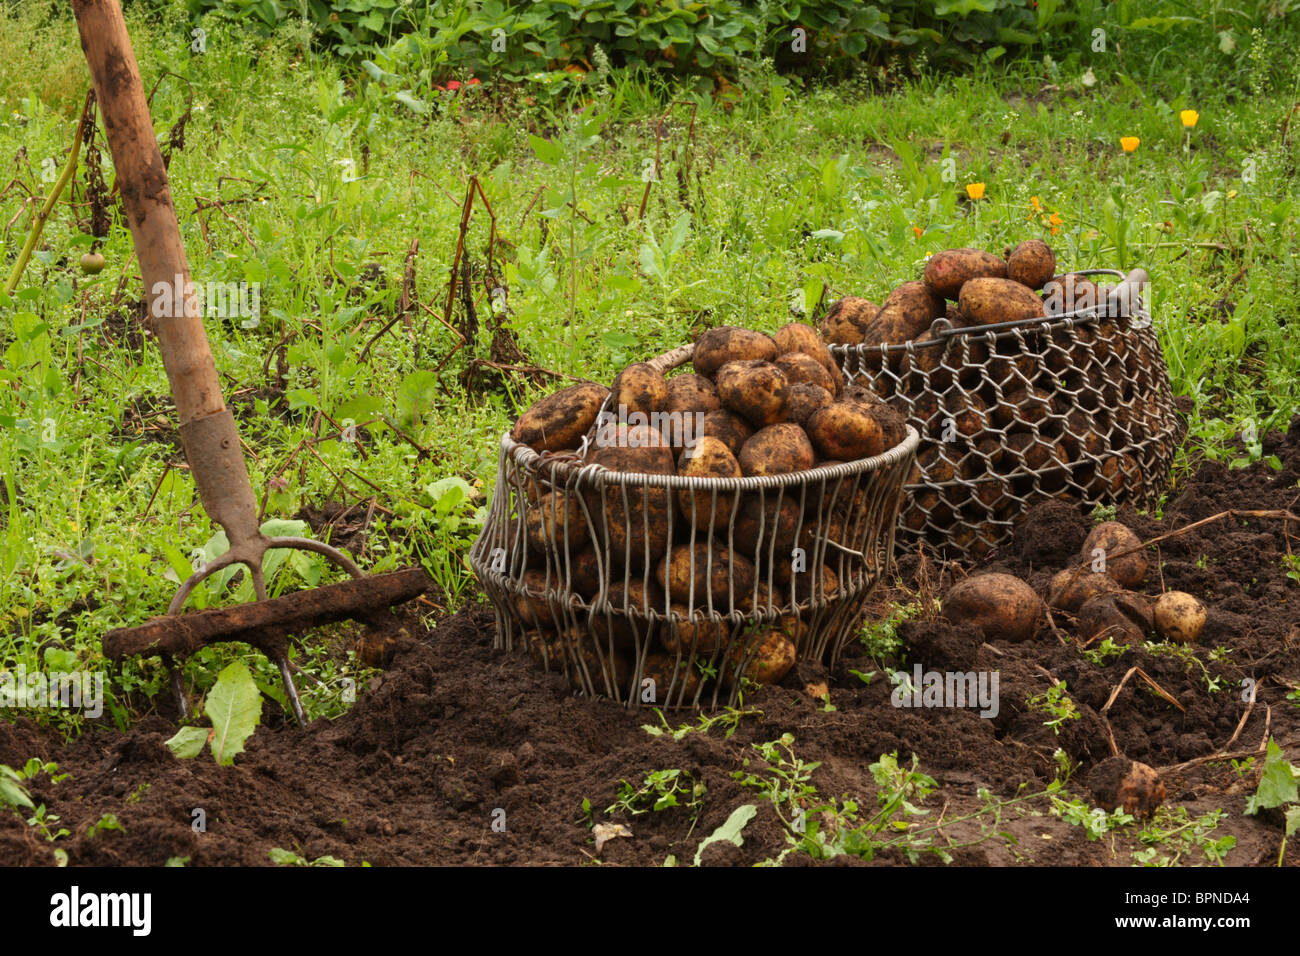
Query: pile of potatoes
(755, 405)
(1097, 591)
(1040, 412)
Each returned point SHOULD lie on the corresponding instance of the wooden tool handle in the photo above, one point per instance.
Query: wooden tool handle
(150, 214)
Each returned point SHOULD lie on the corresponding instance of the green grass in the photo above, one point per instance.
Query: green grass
(792, 197)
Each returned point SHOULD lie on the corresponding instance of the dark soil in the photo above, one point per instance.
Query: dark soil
(456, 736)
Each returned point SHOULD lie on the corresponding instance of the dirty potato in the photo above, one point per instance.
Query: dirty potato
(990, 301)
(946, 272)
(689, 393)
(559, 421)
(804, 369)
(804, 400)
(698, 633)
(756, 390)
(1179, 617)
(777, 450)
(639, 388)
(847, 431)
(626, 621)
(1070, 588)
(1123, 616)
(1112, 538)
(556, 520)
(1002, 606)
(763, 658)
(847, 319)
(707, 571)
(709, 458)
(638, 521)
(905, 314)
(1031, 263)
(728, 427)
(716, 347)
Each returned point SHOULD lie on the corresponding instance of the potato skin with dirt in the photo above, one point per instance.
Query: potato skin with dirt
(645, 516)
(946, 272)
(905, 314)
(990, 301)
(801, 369)
(846, 431)
(1179, 617)
(1072, 587)
(698, 633)
(639, 388)
(1123, 616)
(756, 390)
(804, 400)
(691, 393)
(710, 458)
(556, 518)
(1113, 538)
(1121, 782)
(804, 339)
(694, 574)
(558, 422)
(727, 343)
(847, 319)
(728, 427)
(773, 656)
(1002, 606)
(1031, 263)
(777, 450)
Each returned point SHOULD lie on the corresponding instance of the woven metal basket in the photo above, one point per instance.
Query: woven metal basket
(1076, 403)
(570, 557)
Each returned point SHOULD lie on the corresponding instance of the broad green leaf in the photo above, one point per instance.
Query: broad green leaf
(545, 150)
(235, 708)
(188, 742)
(12, 791)
(1277, 784)
(730, 831)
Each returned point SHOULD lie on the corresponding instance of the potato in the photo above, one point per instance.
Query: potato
(698, 633)
(765, 525)
(1032, 263)
(1112, 537)
(1123, 616)
(691, 393)
(584, 572)
(798, 337)
(1120, 782)
(609, 673)
(804, 369)
(770, 656)
(756, 390)
(946, 272)
(893, 426)
(635, 519)
(815, 581)
(990, 301)
(559, 421)
(846, 431)
(556, 520)
(1036, 453)
(716, 347)
(804, 400)
(905, 314)
(728, 427)
(706, 571)
(1179, 617)
(1069, 293)
(627, 619)
(846, 320)
(777, 450)
(638, 388)
(1002, 606)
(1071, 588)
(662, 669)
(532, 605)
(860, 394)
(1024, 405)
(709, 458)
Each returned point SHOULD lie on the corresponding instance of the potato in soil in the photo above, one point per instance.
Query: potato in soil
(990, 301)
(1002, 606)
(1071, 588)
(1120, 782)
(1112, 538)
(1179, 617)
(559, 421)
(707, 571)
(707, 507)
(717, 347)
(1031, 263)
(1122, 616)
(905, 314)
(946, 272)
(756, 390)
(777, 450)
(847, 319)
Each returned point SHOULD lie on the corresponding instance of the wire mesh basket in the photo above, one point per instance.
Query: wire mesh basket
(671, 591)
(1075, 403)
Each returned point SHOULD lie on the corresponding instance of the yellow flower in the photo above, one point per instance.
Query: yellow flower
(1129, 143)
(1055, 222)
(1189, 117)
(1033, 201)
(975, 190)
